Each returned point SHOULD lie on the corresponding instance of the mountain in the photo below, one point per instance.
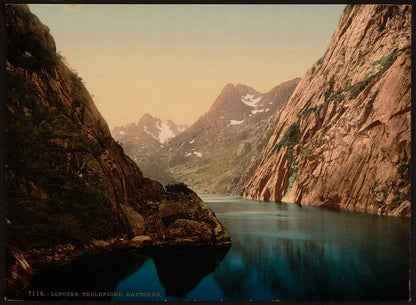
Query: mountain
(343, 139)
(152, 131)
(142, 142)
(213, 153)
(70, 189)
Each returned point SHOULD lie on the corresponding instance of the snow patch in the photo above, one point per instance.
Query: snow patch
(192, 141)
(257, 111)
(121, 132)
(165, 132)
(196, 153)
(250, 100)
(235, 122)
(149, 133)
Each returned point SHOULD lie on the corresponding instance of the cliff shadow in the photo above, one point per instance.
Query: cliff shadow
(181, 269)
(91, 274)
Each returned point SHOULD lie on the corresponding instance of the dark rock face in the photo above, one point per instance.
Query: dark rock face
(67, 180)
(343, 140)
(184, 214)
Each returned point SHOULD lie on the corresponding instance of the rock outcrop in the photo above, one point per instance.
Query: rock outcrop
(343, 139)
(67, 181)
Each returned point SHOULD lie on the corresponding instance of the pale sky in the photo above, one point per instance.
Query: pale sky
(172, 61)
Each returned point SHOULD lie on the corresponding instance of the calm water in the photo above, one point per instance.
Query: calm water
(280, 252)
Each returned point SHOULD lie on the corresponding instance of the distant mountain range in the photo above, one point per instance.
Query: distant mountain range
(148, 129)
(227, 137)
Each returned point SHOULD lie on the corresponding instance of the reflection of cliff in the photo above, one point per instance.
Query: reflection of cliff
(343, 139)
(92, 273)
(181, 270)
(314, 263)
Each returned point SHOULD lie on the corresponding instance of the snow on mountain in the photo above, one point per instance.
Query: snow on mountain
(254, 102)
(165, 132)
(196, 153)
(235, 122)
(149, 133)
(157, 129)
(250, 100)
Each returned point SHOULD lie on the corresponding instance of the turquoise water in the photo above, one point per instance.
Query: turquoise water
(280, 251)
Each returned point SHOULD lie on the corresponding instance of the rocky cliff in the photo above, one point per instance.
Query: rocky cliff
(68, 183)
(343, 140)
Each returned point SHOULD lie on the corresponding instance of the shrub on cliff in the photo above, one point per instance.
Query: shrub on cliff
(178, 187)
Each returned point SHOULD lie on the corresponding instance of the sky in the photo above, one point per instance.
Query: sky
(172, 61)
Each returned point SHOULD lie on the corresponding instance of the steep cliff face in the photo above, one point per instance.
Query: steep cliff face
(343, 140)
(60, 156)
(67, 180)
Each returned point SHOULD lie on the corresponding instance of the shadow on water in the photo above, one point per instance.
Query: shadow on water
(91, 273)
(279, 252)
(181, 269)
(98, 277)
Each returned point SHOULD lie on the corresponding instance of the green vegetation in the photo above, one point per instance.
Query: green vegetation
(371, 102)
(178, 187)
(305, 112)
(312, 73)
(383, 64)
(291, 137)
(330, 90)
(360, 57)
(47, 153)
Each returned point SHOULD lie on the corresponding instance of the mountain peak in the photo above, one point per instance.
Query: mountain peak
(228, 88)
(149, 127)
(146, 118)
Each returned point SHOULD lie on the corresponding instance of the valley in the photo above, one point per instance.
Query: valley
(266, 196)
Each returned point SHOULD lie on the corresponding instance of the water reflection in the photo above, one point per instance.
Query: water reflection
(180, 270)
(280, 252)
(90, 274)
(283, 254)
